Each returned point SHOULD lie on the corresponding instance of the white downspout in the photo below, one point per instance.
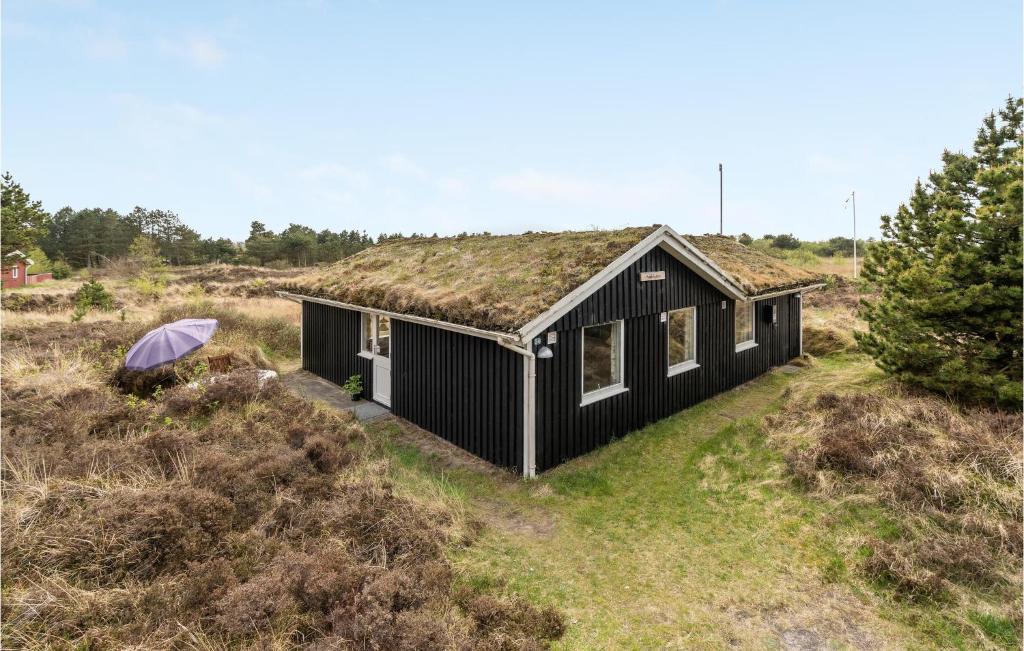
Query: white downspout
(529, 408)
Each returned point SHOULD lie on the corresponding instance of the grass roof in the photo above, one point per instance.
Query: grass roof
(756, 272)
(500, 282)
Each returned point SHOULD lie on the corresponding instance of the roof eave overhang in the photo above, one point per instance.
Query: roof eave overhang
(500, 337)
(792, 290)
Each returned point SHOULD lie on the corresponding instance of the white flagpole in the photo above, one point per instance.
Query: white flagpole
(852, 199)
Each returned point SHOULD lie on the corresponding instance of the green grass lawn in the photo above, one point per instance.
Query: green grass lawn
(684, 534)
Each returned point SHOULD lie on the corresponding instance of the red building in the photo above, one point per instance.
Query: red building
(15, 271)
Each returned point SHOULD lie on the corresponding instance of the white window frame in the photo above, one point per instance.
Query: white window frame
(368, 354)
(752, 342)
(590, 397)
(14, 271)
(690, 364)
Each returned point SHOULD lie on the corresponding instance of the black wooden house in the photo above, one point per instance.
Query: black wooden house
(530, 350)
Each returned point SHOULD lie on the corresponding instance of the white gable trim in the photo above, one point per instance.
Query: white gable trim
(665, 237)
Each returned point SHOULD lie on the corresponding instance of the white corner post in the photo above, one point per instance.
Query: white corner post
(529, 407)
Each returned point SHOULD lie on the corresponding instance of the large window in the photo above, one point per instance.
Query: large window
(744, 325)
(602, 361)
(682, 340)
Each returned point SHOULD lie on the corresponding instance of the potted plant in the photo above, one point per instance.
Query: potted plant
(354, 387)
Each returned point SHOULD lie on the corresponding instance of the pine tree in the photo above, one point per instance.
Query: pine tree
(24, 222)
(949, 270)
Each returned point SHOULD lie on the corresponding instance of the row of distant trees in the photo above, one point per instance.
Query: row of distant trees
(300, 245)
(94, 236)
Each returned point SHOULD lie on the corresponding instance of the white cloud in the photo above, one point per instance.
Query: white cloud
(451, 186)
(19, 30)
(402, 164)
(534, 185)
(105, 46)
(249, 188)
(173, 115)
(201, 51)
(333, 172)
(647, 188)
(166, 126)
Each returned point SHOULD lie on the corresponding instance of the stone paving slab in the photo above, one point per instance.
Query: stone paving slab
(312, 387)
(367, 410)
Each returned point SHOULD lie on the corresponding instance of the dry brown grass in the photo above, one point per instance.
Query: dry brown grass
(249, 290)
(831, 317)
(755, 271)
(953, 478)
(227, 515)
(824, 340)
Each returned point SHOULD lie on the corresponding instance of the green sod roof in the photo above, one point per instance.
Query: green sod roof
(757, 273)
(501, 282)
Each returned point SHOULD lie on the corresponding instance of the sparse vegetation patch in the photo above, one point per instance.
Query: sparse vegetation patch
(952, 479)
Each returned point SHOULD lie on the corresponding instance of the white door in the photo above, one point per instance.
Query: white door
(382, 361)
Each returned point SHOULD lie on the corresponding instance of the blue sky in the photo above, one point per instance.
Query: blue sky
(451, 116)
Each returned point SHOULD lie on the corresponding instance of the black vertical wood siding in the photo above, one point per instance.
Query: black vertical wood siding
(330, 345)
(566, 430)
(465, 389)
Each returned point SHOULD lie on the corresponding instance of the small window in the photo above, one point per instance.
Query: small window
(14, 272)
(374, 335)
(383, 336)
(366, 333)
(682, 340)
(602, 361)
(744, 325)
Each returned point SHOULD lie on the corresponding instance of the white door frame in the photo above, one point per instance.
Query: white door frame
(381, 364)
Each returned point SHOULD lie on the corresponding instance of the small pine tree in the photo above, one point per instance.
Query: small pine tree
(23, 222)
(949, 270)
(145, 253)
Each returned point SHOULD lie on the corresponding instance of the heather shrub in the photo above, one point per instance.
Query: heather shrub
(953, 478)
(231, 513)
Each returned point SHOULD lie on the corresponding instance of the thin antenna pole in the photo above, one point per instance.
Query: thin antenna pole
(720, 196)
(853, 197)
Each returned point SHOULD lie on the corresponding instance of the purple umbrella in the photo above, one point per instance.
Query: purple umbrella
(169, 343)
